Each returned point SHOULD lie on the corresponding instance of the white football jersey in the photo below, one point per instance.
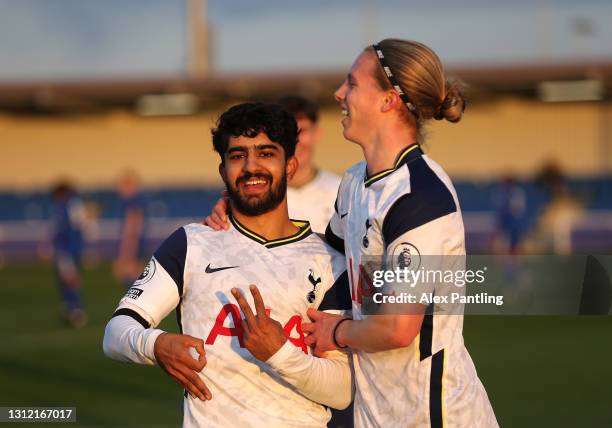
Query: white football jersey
(315, 200)
(194, 271)
(411, 207)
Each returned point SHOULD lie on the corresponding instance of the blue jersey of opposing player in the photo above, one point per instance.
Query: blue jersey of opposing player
(67, 220)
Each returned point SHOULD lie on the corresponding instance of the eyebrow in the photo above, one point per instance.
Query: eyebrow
(236, 149)
(350, 78)
(266, 146)
(257, 147)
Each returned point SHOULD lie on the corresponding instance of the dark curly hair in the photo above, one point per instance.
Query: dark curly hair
(250, 119)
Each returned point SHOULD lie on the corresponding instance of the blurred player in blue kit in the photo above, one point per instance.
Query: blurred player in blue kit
(511, 204)
(254, 371)
(67, 222)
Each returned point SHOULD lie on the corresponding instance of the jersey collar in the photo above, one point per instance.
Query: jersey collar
(303, 232)
(411, 152)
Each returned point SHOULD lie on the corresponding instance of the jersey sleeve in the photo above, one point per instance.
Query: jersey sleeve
(422, 220)
(328, 380)
(160, 286)
(423, 232)
(126, 339)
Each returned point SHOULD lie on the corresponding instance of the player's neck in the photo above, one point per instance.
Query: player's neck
(381, 154)
(304, 175)
(272, 225)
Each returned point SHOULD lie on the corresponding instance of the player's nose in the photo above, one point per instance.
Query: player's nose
(340, 92)
(251, 163)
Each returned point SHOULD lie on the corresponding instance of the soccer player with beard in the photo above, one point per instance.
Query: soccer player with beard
(255, 372)
(311, 192)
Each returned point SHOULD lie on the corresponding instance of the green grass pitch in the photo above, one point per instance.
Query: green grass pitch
(538, 371)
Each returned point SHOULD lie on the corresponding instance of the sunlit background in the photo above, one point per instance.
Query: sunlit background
(90, 89)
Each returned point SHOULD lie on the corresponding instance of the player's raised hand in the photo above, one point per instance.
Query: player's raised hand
(172, 354)
(218, 218)
(263, 336)
(320, 331)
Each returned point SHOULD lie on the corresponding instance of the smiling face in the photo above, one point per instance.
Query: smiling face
(255, 173)
(360, 99)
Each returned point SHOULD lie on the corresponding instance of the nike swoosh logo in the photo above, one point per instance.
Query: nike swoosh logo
(213, 270)
(343, 215)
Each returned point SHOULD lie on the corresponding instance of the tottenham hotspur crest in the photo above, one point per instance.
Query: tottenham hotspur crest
(365, 241)
(311, 296)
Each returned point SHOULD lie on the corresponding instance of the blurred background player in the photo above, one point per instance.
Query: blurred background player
(68, 219)
(312, 191)
(128, 264)
(511, 204)
(563, 209)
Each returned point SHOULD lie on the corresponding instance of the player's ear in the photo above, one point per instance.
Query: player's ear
(291, 167)
(390, 101)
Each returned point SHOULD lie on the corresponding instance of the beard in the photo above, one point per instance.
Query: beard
(256, 205)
